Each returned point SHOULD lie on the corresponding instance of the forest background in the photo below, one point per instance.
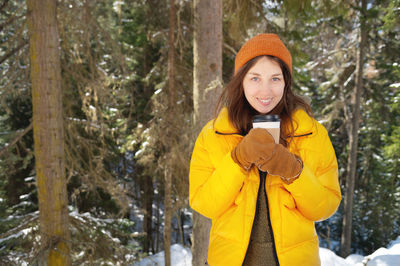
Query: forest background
(128, 135)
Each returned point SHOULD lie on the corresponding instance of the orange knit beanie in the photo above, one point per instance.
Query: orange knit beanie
(263, 44)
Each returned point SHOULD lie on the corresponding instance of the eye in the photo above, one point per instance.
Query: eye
(255, 78)
(276, 79)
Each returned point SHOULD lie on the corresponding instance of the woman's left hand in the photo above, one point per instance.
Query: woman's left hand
(282, 163)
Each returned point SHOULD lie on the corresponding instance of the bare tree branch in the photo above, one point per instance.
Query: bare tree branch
(23, 133)
(13, 51)
(230, 48)
(10, 20)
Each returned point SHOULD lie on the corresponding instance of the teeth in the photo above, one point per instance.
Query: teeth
(265, 101)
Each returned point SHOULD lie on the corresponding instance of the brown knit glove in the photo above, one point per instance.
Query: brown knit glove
(256, 146)
(282, 163)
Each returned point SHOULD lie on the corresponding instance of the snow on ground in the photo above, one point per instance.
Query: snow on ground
(328, 257)
(180, 256)
(390, 256)
(385, 256)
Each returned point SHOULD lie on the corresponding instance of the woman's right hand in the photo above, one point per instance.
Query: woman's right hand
(257, 145)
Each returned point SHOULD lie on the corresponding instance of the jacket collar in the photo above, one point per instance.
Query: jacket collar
(223, 125)
(304, 125)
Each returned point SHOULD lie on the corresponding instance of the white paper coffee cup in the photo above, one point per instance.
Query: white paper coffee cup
(271, 123)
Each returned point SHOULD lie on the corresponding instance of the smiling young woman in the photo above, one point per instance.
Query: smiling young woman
(241, 112)
(262, 197)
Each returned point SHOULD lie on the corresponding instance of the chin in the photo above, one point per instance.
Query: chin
(264, 111)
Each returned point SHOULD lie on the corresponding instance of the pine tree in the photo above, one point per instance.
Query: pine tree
(207, 85)
(48, 132)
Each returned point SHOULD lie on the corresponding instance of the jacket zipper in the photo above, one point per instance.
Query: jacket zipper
(227, 134)
(302, 135)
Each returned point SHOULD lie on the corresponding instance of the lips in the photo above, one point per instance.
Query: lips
(264, 101)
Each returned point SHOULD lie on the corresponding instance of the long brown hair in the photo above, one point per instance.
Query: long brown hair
(241, 113)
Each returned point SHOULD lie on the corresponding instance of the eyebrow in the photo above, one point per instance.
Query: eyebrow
(257, 74)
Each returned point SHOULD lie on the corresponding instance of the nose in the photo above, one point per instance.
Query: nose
(266, 86)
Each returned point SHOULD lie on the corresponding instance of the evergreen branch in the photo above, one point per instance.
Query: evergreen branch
(30, 218)
(18, 138)
(346, 73)
(4, 4)
(270, 24)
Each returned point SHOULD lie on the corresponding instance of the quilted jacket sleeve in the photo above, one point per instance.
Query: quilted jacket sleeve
(212, 189)
(317, 191)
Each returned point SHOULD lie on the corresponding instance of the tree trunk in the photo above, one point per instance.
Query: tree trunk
(168, 216)
(353, 140)
(157, 228)
(207, 86)
(148, 216)
(181, 222)
(48, 131)
(171, 101)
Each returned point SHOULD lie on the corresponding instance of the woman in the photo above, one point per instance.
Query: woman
(263, 198)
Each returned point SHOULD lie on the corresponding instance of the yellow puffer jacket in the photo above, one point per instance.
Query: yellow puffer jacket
(221, 190)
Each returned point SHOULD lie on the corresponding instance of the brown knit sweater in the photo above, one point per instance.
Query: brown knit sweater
(261, 249)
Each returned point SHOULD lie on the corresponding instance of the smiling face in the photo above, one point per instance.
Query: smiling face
(264, 85)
